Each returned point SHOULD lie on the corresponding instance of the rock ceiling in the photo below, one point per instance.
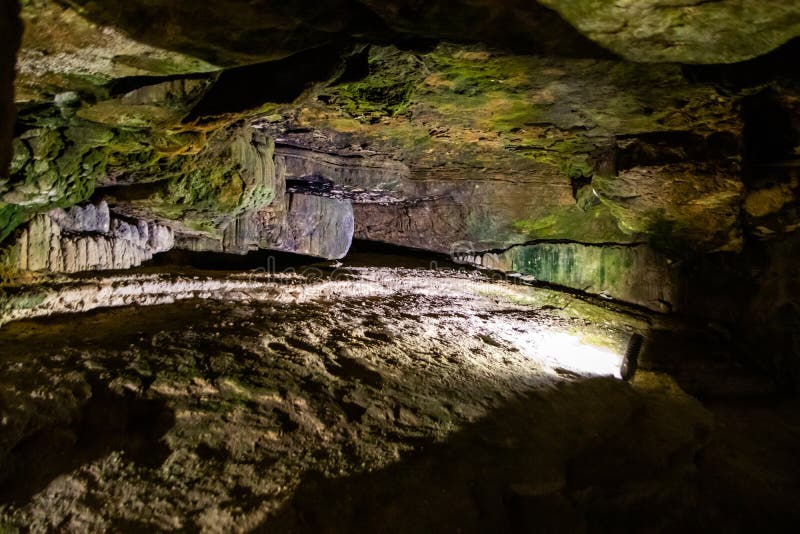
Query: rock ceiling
(491, 126)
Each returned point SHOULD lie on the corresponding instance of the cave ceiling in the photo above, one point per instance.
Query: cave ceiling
(489, 123)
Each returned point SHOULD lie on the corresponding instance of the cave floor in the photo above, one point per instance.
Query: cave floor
(385, 400)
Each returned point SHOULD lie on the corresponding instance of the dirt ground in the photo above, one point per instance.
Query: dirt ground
(436, 405)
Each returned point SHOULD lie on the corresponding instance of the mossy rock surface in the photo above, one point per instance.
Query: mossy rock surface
(693, 31)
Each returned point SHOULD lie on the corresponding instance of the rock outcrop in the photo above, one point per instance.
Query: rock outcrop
(633, 273)
(302, 224)
(498, 149)
(315, 226)
(684, 31)
(86, 238)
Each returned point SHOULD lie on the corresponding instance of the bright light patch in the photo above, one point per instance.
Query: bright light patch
(567, 351)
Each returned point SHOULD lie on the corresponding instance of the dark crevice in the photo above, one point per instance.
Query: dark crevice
(280, 82)
(365, 247)
(127, 193)
(316, 185)
(290, 148)
(310, 185)
(771, 134)
(266, 260)
(579, 183)
(356, 66)
(780, 64)
(121, 86)
(664, 148)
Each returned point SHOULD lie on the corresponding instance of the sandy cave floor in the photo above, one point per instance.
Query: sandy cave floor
(437, 406)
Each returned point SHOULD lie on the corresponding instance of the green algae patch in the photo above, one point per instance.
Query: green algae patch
(233, 174)
(629, 273)
(386, 91)
(595, 225)
(575, 266)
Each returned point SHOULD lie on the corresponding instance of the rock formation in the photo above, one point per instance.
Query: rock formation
(632, 273)
(685, 31)
(620, 150)
(86, 238)
(301, 224)
(512, 190)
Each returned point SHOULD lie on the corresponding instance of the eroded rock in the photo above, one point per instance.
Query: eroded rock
(685, 31)
(634, 274)
(86, 238)
(302, 224)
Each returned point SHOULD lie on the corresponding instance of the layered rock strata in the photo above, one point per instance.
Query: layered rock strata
(634, 273)
(301, 224)
(86, 238)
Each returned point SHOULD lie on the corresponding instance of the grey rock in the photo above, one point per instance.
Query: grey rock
(302, 224)
(86, 238)
(89, 218)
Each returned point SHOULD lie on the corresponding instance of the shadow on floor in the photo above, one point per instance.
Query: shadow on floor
(593, 455)
(108, 422)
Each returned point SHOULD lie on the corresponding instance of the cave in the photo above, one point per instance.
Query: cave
(357, 266)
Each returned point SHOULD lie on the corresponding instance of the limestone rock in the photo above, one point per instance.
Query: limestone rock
(86, 238)
(686, 31)
(88, 218)
(633, 274)
(317, 226)
(492, 149)
(302, 224)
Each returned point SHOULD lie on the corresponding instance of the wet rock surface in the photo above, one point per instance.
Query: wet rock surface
(596, 269)
(312, 225)
(379, 399)
(235, 416)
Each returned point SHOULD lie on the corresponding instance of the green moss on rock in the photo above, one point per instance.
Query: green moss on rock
(686, 32)
(595, 225)
(235, 173)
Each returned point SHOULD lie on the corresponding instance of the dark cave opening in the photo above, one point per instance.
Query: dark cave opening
(361, 253)
(279, 81)
(258, 260)
(771, 133)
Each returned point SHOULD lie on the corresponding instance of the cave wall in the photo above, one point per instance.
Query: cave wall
(528, 146)
(10, 35)
(86, 238)
(575, 144)
(632, 273)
